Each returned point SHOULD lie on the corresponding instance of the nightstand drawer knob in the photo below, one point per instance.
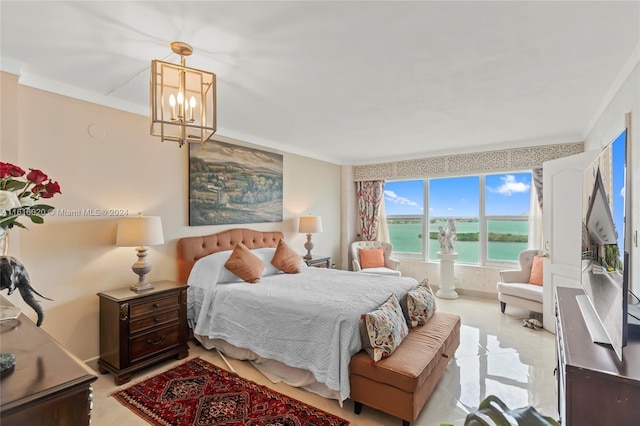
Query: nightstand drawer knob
(156, 342)
(156, 305)
(156, 319)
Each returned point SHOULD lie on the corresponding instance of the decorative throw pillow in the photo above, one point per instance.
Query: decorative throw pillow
(536, 271)
(371, 258)
(245, 264)
(386, 328)
(421, 304)
(286, 259)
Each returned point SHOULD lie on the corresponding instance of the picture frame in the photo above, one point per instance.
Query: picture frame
(233, 184)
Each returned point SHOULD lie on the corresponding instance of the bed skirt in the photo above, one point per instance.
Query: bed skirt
(273, 370)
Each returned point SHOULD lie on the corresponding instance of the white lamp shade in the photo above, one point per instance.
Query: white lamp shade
(310, 224)
(140, 231)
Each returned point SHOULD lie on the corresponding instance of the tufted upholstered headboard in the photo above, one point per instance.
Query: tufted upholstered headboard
(191, 249)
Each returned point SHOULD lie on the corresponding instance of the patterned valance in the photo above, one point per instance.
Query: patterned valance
(465, 164)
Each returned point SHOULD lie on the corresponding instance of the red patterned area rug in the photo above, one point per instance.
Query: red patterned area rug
(199, 393)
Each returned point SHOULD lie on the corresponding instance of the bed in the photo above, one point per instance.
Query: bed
(303, 328)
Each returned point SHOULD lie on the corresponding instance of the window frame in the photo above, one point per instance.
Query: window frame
(483, 221)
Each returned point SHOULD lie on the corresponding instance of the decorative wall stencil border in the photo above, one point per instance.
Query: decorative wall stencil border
(460, 164)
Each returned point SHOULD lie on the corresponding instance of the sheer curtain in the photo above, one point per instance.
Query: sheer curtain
(535, 211)
(369, 195)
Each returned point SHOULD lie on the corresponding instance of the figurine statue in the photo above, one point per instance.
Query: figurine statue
(13, 275)
(451, 234)
(442, 239)
(447, 237)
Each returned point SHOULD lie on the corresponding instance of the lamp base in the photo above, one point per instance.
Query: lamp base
(309, 246)
(142, 286)
(141, 268)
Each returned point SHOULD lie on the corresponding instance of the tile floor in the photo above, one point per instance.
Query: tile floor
(496, 356)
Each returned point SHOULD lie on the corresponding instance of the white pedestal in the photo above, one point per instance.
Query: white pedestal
(447, 288)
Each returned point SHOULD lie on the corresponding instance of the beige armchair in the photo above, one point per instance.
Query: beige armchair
(514, 288)
(390, 266)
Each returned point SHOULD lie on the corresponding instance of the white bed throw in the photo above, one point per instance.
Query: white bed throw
(308, 320)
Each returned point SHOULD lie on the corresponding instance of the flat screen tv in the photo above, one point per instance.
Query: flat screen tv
(605, 250)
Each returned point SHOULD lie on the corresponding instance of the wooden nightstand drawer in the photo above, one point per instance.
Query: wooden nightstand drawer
(154, 321)
(138, 330)
(154, 305)
(156, 341)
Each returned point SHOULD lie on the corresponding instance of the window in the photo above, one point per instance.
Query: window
(507, 198)
(458, 199)
(490, 213)
(404, 208)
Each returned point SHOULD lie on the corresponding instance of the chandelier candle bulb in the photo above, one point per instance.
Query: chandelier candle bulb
(192, 101)
(180, 105)
(172, 103)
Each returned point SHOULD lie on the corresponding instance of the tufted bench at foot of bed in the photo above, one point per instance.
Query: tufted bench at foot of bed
(401, 384)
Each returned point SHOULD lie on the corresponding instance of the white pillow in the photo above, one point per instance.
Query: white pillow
(208, 270)
(266, 255)
(212, 265)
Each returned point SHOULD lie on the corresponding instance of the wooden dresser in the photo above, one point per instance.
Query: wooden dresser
(594, 387)
(48, 385)
(139, 329)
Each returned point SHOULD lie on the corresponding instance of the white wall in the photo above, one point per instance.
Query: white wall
(70, 258)
(472, 280)
(606, 127)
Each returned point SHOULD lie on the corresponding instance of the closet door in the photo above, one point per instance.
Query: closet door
(562, 227)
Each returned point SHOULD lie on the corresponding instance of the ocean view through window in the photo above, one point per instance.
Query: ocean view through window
(490, 212)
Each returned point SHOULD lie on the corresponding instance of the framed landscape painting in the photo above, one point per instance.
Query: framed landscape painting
(231, 184)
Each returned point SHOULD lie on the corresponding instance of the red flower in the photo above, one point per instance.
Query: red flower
(50, 189)
(20, 189)
(36, 176)
(38, 189)
(8, 169)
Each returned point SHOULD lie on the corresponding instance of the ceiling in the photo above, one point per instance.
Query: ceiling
(354, 82)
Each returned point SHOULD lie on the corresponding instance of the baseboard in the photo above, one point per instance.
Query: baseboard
(92, 362)
(477, 294)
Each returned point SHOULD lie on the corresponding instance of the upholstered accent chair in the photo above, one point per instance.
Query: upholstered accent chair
(515, 289)
(384, 266)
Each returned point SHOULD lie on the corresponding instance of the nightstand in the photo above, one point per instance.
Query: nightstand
(139, 329)
(318, 261)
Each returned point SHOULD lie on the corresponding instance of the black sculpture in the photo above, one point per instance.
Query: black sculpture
(14, 275)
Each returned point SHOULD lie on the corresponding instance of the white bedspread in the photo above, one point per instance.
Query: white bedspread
(308, 320)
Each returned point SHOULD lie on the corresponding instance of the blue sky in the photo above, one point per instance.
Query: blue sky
(507, 194)
(618, 168)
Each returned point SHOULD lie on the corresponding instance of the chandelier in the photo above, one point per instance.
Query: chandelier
(183, 100)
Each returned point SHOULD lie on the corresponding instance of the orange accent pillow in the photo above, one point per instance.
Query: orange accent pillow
(245, 264)
(286, 259)
(371, 258)
(536, 271)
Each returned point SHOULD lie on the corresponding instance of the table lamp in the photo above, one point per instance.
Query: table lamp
(140, 232)
(309, 225)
